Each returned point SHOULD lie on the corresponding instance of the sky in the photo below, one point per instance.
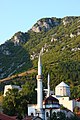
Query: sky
(21, 15)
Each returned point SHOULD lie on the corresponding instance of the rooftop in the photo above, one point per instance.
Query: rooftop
(50, 98)
(62, 84)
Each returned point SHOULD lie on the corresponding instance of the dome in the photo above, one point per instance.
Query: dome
(62, 89)
(62, 84)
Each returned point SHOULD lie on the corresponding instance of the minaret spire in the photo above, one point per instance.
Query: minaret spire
(39, 89)
(39, 66)
(48, 85)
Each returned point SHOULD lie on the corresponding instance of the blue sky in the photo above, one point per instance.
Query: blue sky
(20, 15)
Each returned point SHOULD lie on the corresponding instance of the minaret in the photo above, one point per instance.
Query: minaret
(39, 89)
(48, 85)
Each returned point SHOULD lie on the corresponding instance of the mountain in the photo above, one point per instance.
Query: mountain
(58, 39)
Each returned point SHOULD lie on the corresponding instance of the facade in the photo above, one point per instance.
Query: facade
(66, 102)
(50, 105)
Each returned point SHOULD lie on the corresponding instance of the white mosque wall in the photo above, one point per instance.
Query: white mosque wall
(32, 109)
(69, 104)
(47, 112)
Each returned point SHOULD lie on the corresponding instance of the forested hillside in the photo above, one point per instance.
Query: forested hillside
(58, 41)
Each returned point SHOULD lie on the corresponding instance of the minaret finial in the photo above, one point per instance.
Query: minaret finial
(39, 66)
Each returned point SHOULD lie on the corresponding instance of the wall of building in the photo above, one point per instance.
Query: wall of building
(62, 91)
(32, 108)
(69, 104)
(7, 87)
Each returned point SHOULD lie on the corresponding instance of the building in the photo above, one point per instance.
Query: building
(50, 105)
(62, 93)
(62, 89)
(7, 87)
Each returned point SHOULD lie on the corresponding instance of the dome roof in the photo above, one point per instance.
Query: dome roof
(52, 99)
(62, 84)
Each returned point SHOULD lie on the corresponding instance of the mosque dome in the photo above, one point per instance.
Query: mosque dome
(62, 89)
(62, 84)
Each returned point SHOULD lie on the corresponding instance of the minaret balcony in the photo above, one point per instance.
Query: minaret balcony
(39, 77)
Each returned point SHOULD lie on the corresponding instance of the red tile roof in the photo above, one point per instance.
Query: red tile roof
(78, 114)
(78, 99)
(6, 117)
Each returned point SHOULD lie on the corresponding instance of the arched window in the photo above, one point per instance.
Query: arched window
(47, 114)
(32, 114)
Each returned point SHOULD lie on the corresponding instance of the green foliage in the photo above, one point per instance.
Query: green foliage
(28, 89)
(17, 61)
(61, 58)
(76, 109)
(14, 103)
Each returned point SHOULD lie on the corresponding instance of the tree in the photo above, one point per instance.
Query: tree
(76, 109)
(28, 90)
(14, 103)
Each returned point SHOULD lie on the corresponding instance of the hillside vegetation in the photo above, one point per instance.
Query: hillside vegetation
(58, 40)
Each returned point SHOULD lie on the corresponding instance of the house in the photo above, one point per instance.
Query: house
(7, 87)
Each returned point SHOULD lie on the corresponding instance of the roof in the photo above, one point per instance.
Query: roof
(78, 114)
(6, 117)
(37, 118)
(62, 84)
(50, 98)
(78, 99)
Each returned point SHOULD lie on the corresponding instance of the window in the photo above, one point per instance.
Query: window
(47, 114)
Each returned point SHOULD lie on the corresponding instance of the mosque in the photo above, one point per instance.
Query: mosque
(51, 103)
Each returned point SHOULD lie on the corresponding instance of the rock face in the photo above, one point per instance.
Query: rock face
(19, 38)
(45, 24)
(67, 20)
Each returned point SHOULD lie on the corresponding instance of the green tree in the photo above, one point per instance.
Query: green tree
(28, 90)
(14, 103)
